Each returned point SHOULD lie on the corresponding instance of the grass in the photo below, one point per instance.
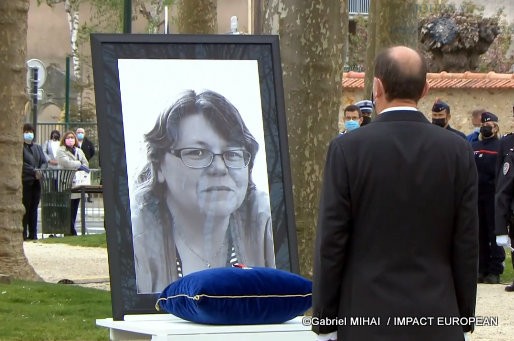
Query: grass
(54, 312)
(43, 311)
(508, 273)
(89, 240)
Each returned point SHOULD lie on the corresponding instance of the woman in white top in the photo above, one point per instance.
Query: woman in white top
(70, 156)
(50, 148)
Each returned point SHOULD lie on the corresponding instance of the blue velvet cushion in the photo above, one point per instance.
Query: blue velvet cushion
(237, 296)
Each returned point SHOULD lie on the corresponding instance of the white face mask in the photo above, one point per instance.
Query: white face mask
(28, 137)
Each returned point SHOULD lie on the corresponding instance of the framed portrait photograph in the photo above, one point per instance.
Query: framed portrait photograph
(194, 158)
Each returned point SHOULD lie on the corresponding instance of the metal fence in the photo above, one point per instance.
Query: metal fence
(358, 7)
(94, 210)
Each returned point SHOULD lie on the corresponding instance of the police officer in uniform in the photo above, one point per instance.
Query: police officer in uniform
(366, 107)
(506, 144)
(490, 255)
(441, 117)
(504, 214)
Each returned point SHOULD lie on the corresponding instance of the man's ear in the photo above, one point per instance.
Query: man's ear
(425, 89)
(377, 87)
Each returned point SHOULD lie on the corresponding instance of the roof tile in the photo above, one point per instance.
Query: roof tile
(446, 80)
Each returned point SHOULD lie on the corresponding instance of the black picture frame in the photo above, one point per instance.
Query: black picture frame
(107, 50)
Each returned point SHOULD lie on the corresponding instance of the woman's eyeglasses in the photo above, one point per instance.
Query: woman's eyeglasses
(202, 158)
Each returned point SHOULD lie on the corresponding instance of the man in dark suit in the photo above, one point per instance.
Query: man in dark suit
(398, 227)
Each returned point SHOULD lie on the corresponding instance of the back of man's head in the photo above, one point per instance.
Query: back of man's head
(403, 73)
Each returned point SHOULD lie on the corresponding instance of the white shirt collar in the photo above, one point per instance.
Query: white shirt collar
(399, 108)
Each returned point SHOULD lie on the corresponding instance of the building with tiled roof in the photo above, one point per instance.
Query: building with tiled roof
(462, 91)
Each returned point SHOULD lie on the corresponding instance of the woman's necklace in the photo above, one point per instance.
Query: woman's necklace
(207, 263)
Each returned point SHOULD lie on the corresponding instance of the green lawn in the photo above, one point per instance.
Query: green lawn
(508, 273)
(88, 240)
(42, 311)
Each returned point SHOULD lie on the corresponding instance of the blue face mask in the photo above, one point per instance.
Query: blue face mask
(28, 137)
(351, 125)
(80, 136)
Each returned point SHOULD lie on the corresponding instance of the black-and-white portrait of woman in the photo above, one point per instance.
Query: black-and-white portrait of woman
(196, 167)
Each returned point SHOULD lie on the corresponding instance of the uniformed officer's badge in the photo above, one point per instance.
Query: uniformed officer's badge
(506, 167)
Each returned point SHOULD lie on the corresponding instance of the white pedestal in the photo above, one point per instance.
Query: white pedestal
(168, 327)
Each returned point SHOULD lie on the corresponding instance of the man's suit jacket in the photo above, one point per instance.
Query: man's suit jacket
(397, 231)
(88, 148)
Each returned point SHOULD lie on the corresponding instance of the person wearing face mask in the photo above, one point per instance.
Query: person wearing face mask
(70, 156)
(366, 107)
(441, 117)
(33, 159)
(352, 118)
(87, 147)
(50, 148)
(491, 256)
(397, 220)
(85, 144)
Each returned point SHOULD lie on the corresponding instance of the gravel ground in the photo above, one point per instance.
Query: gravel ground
(88, 267)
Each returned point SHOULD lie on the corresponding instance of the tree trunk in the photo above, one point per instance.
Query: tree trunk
(13, 49)
(397, 23)
(72, 14)
(391, 22)
(197, 16)
(311, 41)
(370, 50)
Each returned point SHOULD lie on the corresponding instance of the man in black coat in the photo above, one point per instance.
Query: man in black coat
(87, 146)
(504, 203)
(397, 233)
(33, 160)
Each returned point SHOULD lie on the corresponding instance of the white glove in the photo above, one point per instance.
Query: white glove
(504, 241)
(467, 337)
(327, 337)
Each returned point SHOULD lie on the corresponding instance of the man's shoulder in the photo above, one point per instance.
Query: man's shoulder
(458, 132)
(507, 138)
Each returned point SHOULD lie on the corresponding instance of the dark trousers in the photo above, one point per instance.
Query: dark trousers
(511, 235)
(31, 196)
(74, 208)
(490, 255)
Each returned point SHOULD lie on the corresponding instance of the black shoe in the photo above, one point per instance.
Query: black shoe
(492, 279)
(89, 200)
(510, 288)
(65, 281)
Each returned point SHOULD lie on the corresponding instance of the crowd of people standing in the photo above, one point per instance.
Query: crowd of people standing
(494, 158)
(72, 151)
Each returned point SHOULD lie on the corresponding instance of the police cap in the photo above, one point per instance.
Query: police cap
(487, 116)
(440, 106)
(366, 106)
